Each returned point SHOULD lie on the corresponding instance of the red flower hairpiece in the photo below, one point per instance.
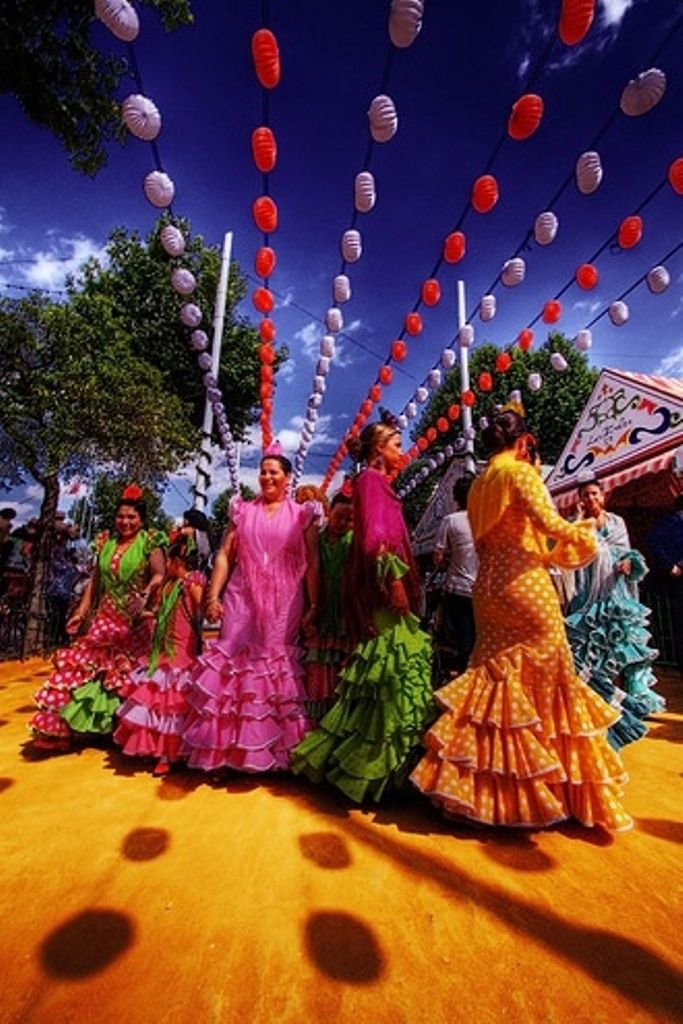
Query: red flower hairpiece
(132, 493)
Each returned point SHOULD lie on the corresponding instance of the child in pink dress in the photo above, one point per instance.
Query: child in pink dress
(151, 720)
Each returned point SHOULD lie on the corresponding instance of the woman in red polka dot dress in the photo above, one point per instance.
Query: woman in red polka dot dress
(522, 739)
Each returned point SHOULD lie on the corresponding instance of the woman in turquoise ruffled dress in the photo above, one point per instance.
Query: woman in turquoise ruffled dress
(370, 738)
(607, 625)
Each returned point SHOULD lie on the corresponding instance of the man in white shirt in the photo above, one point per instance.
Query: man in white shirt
(454, 552)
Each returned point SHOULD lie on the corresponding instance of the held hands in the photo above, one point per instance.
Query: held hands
(214, 610)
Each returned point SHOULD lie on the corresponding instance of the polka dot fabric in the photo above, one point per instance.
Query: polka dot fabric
(522, 740)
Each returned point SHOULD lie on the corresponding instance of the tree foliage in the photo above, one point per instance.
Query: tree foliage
(62, 80)
(106, 494)
(219, 509)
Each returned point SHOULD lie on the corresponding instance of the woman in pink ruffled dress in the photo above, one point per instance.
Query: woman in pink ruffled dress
(247, 696)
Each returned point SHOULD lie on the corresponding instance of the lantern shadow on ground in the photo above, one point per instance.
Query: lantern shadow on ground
(326, 849)
(145, 843)
(343, 947)
(517, 850)
(613, 960)
(25, 709)
(4, 721)
(668, 729)
(661, 828)
(5, 783)
(86, 943)
(178, 785)
(123, 765)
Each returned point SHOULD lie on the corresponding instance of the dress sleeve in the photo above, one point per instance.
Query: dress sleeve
(313, 512)
(155, 539)
(575, 543)
(235, 510)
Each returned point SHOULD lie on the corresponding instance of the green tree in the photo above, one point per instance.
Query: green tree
(62, 81)
(219, 509)
(106, 494)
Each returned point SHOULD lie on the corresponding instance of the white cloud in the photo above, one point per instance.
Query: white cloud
(51, 267)
(671, 365)
(612, 11)
(286, 371)
(587, 306)
(309, 336)
(285, 300)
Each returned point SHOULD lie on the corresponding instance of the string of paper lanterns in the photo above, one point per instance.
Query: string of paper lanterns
(143, 120)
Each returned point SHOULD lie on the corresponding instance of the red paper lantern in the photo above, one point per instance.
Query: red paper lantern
(576, 18)
(263, 300)
(398, 350)
(442, 424)
(675, 176)
(485, 193)
(413, 323)
(266, 354)
(265, 390)
(485, 381)
(264, 261)
(431, 292)
(525, 116)
(265, 214)
(267, 405)
(266, 373)
(552, 311)
(454, 412)
(264, 149)
(455, 247)
(264, 50)
(386, 375)
(366, 408)
(430, 434)
(468, 398)
(267, 330)
(422, 444)
(355, 430)
(503, 362)
(630, 232)
(375, 393)
(525, 339)
(587, 276)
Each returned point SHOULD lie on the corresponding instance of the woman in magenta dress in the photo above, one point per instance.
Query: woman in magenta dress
(247, 698)
(151, 721)
(93, 675)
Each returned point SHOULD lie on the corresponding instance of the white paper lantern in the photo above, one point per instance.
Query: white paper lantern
(191, 315)
(219, 411)
(323, 365)
(448, 451)
(448, 358)
(424, 473)
(351, 245)
(487, 307)
(483, 422)
(459, 444)
(466, 335)
(643, 93)
(402, 421)
(411, 410)
(383, 118)
(534, 380)
(513, 272)
(431, 464)
(199, 340)
(204, 363)
(334, 321)
(618, 313)
(588, 172)
(469, 433)
(319, 384)
(341, 288)
(405, 21)
(515, 396)
(365, 192)
(141, 117)
(558, 362)
(120, 18)
(315, 401)
(159, 189)
(312, 415)
(327, 346)
(208, 379)
(172, 240)
(434, 378)
(183, 281)
(584, 340)
(658, 280)
(213, 394)
(440, 458)
(545, 227)
(421, 394)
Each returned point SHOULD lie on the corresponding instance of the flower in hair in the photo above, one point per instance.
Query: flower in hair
(132, 492)
(274, 448)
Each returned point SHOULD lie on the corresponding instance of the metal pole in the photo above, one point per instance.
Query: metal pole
(203, 476)
(466, 411)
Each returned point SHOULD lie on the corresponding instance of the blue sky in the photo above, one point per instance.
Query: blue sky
(453, 89)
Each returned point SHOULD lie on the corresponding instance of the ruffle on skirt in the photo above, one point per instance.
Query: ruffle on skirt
(371, 735)
(91, 709)
(152, 720)
(522, 743)
(245, 712)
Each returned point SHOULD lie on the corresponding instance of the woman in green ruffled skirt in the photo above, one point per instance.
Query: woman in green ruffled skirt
(370, 738)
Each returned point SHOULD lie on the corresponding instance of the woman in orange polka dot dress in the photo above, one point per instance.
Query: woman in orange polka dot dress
(522, 740)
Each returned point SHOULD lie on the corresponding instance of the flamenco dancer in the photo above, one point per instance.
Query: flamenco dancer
(607, 625)
(93, 675)
(371, 735)
(151, 721)
(522, 739)
(247, 697)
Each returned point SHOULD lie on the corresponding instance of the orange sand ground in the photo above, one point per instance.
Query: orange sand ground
(127, 899)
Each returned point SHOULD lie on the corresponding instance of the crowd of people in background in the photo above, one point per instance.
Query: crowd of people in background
(323, 665)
